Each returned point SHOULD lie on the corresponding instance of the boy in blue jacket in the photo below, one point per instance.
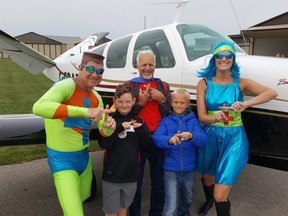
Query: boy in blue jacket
(179, 134)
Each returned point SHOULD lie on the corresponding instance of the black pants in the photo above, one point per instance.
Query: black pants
(157, 197)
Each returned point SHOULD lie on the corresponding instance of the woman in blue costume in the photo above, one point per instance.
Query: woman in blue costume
(219, 105)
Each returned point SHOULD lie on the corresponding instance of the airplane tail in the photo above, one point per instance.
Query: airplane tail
(85, 45)
(34, 61)
(23, 55)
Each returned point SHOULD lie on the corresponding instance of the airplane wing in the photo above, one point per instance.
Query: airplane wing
(23, 55)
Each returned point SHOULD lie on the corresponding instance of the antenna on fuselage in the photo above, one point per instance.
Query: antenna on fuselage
(241, 32)
(179, 8)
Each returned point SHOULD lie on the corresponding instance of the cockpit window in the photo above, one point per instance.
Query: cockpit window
(117, 53)
(199, 40)
(157, 41)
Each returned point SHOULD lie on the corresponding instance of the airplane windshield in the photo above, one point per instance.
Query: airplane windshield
(199, 40)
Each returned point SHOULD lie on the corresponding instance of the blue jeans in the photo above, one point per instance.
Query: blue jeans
(178, 185)
(157, 184)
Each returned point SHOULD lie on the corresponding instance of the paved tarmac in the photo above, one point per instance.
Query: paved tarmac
(27, 190)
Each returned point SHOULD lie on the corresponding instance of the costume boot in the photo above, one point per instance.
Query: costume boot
(208, 191)
(223, 208)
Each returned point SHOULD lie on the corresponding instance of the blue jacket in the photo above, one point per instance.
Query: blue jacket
(180, 157)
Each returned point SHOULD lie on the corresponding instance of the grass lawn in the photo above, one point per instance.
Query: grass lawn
(19, 88)
(19, 91)
(20, 154)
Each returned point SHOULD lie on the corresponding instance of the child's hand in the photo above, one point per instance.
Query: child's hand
(176, 139)
(186, 135)
(136, 124)
(127, 125)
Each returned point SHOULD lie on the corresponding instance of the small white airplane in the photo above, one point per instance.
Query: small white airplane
(181, 50)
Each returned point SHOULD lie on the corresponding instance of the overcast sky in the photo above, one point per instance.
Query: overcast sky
(121, 17)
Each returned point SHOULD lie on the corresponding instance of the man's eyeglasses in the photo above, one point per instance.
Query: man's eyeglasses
(222, 55)
(91, 69)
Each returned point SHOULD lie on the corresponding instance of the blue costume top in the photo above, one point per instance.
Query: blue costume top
(226, 153)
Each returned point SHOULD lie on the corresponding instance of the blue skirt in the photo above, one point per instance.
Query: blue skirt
(225, 154)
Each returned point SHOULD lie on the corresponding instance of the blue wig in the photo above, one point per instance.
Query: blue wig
(210, 70)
